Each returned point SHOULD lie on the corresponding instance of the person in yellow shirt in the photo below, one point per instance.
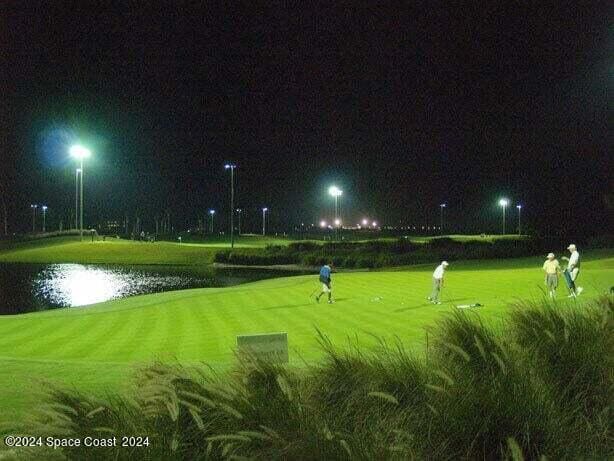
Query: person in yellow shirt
(552, 270)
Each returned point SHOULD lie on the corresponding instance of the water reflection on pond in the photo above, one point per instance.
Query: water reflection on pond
(33, 287)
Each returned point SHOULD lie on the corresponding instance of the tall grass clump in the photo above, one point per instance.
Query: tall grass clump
(538, 385)
(475, 389)
(571, 351)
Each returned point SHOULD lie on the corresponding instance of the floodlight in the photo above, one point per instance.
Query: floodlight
(79, 152)
(335, 191)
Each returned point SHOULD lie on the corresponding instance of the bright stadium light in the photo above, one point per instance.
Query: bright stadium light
(80, 152)
(336, 193)
(504, 203)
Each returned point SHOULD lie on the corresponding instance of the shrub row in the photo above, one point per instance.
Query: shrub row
(540, 387)
(381, 253)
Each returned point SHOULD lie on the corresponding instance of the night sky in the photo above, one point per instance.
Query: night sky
(401, 108)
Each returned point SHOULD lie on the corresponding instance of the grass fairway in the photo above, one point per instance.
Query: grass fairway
(93, 348)
(57, 250)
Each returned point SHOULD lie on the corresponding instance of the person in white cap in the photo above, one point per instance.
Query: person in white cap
(437, 282)
(573, 267)
(552, 269)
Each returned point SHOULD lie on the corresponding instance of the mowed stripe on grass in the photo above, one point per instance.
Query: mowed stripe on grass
(95, 347)
(202, 324)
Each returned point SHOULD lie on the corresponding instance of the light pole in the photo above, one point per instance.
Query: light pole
(519, 207)
(212, 214)
(336, 192)
(44, 208)
(239, 211)
(504, 203)
(264, 210)
(80, 152)
(231, 167)
(34, 207)
(77, 173)
(441, 207)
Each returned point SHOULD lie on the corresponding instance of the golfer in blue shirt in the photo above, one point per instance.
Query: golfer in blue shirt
(325, 272)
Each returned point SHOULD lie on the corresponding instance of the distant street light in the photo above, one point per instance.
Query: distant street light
(365, 222)
(231, 167)
(374, 223)
(337, 222)
(212, 214)
(44, 208)
(80, 152)
(264, 210)
(519, 207)
(504, 203)
(441, 207)
(322, 224)
(34, 207)
(239, 212)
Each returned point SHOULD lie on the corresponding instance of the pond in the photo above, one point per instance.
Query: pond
(35, 287)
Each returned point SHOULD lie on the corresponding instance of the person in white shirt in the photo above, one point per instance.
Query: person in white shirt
(573, 267)
(437, 282)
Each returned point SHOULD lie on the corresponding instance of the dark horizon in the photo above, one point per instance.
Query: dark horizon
(403, 110)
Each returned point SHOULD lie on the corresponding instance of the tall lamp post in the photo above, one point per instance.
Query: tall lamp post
(336, 192)
(77, 173)
(519, 207)
(80, 152)
(34, 207)
(239, 212)
(264, 210)
(212, 214)
(504, 203)
(44, 208)
(441, 207)
(231, 167)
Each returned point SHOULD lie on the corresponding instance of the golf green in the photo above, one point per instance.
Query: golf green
(95, 347)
